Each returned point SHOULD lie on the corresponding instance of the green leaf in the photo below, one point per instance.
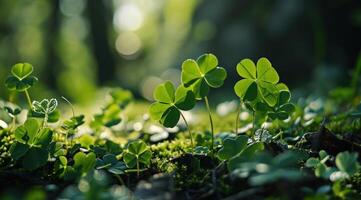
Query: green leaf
(184, 98)
(145, 157)
(13, 83)
(216, 77)
(284, 97)
(244, 155)
(84, 162)
(241, 88)
(130, 159)
(164, 93)
(200, 88)
(63, 160)
(35, 158)
(312, 162)
(246, 69)
(288, 108)
(45, 106)
(190, 72)
(17, 150)
(157, 110)
(207, 62)
(232, 147)
(266, 72)
(269, 93)
(171, 117)
(22, 70)
(137, 147)
(44, 137)
(347, 162)
(26, 132)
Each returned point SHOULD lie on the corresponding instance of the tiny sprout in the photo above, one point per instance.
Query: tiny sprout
(45, 107)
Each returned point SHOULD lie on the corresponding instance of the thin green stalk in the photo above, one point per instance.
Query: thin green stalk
(70, 104)
(211, 121)
(237, 117)
(28, 98)
(137, 167)
(253, 124)
(189, 130)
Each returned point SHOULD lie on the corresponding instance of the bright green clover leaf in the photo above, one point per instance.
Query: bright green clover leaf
(232, 146)
(169, 102)
(245, 154)
(20, 80)
(202, 74)
(258, 81)
(136, 153)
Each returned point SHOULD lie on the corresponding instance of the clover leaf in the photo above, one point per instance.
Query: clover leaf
(32, 144)
(111, 164)
(84, 162)
(257, 81)
(347, 162)
(137, 152)
(232, 146)
(169, 102)
(20, 80)
(202, 74)
(283, 108)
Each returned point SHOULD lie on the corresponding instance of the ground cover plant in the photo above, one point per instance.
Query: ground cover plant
(266, 148)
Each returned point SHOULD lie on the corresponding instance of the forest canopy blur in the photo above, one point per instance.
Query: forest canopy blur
(78, 46)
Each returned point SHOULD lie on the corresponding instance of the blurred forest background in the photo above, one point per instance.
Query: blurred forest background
(78, 46)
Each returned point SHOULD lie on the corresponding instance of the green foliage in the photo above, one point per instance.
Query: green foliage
(232, 146)
(32, 144)
(20, 80)
(111, 164)
(268, 170)
(170, 102)
(346, 165)
(282, 110)
(258, 82)
(202, 74)
(245, 154)
(137, 152)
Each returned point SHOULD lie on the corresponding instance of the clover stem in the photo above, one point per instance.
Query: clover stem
(137, 167)
(253, 124)
(45, 119)
(28, 98)
(211, 121)
(237, 116)
(189, 130)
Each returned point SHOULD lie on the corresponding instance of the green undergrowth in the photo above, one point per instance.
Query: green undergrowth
(182, 146)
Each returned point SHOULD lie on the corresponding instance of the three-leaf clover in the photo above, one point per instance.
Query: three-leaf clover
(169, 102)
(202, 74)
(283, 108)
(20, 80)
(257, 81)
(136, 153)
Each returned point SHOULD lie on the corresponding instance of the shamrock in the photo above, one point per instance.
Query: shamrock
(202, 74)
(258, 82)
(169, 102)
(282, 110)
(136, 153)
(20, 80)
